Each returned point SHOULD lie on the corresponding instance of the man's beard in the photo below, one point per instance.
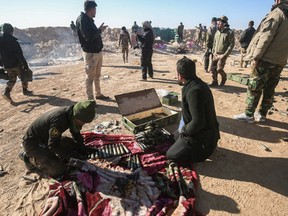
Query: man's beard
(180, 82)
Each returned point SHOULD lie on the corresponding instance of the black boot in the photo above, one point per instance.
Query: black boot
(214, 84)
(6, 95)
(27, 92)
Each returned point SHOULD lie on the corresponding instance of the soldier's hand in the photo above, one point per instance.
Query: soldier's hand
(103, 27)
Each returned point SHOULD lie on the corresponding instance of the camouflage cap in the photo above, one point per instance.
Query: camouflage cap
(223, 19)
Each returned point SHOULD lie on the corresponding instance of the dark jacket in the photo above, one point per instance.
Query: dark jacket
(89, 35)
(147, 40)
(11, 53)
(199, 115)
(48, 128)
(246, 37)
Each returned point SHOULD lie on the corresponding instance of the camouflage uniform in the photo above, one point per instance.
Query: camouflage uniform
(264, 77)
(269, 48)
(13, 73)
(13, 61)
(222, 46)
(124, 41)
(209, 44)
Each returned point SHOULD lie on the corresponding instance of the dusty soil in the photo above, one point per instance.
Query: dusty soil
(246, 176)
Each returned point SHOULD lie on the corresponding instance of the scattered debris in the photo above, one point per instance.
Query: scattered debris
(107, 127)
(265, 148)
(30, 178)
(2, 172)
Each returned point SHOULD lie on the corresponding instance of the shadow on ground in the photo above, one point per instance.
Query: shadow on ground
(39, 99)
(270, 173)
(262, 132)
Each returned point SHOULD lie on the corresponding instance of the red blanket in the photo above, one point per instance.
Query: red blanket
(105, 187)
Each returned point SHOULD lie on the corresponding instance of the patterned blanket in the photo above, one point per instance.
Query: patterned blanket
(123, 178)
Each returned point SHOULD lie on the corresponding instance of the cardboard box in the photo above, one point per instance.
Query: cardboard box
(140, 107)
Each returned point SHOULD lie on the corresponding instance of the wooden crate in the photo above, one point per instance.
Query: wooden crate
(141, 107)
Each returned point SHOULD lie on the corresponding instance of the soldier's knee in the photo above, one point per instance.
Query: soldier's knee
(56, 169)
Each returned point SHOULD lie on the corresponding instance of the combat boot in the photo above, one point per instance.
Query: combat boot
(6, 95)
(27, 92)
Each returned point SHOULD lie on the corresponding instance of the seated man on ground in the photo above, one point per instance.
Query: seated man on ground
(44, 146)
(199, 129)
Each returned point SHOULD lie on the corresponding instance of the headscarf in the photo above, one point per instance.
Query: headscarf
(146, 25)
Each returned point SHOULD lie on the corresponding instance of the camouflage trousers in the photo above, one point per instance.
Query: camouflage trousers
(263, 80)
(217, 67)
(243, 53)
(13, 73)
(125, 51)
(207, 55)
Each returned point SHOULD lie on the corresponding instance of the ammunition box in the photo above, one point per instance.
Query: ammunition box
(140, 107)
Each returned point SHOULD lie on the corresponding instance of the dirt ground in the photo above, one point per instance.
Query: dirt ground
(246, 176)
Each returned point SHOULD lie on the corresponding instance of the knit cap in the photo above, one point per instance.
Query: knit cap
(84, 111)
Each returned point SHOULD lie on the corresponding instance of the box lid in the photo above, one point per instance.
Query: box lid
(138, 101)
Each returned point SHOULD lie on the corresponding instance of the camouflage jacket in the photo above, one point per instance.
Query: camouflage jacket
(224, 42)
(124, 39)
(270, 40)
(210, 36)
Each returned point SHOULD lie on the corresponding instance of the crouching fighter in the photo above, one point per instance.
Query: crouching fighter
(199, 132)
(44, 146)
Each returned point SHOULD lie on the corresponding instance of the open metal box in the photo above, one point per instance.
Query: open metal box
(140, 107)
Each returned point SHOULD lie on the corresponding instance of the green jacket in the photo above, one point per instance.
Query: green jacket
(224, 42)
(48, 128)
(270, 40)
(210, 36)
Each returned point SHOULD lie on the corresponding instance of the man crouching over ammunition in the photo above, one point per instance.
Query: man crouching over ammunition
(198, 133)
(44, 147)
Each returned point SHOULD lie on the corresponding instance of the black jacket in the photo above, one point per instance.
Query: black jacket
(199, 114)
(89, 35)
(147, 40)
(48, 128)
(246, 37)
(11, 53)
